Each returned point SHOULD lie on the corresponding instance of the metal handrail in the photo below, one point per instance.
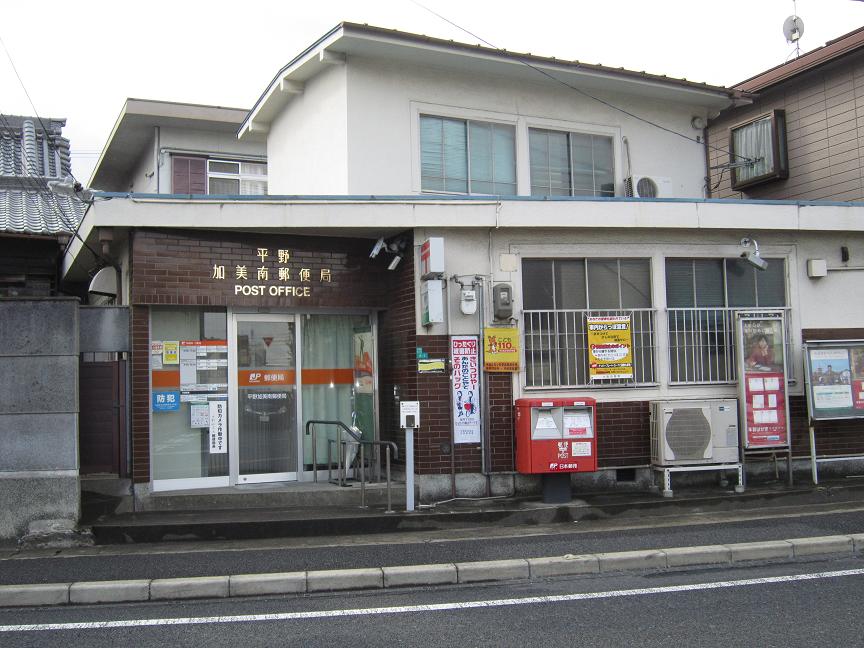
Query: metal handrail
(356, 439)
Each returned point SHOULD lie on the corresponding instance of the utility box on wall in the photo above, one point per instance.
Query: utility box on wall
(556, 435)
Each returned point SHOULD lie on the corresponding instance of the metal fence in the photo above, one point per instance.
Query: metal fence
(556, 347)
(702, 345)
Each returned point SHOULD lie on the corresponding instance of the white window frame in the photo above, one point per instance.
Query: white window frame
(581, 128)
(239, 176)
(464, 114)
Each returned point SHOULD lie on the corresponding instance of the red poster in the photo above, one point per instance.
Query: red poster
(766, 409)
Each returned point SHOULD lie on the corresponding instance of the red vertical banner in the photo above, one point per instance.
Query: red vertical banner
(762, 380)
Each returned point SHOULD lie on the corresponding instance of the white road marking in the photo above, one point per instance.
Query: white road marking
(434, 607)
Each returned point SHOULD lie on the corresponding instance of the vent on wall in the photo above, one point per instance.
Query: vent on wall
(694, 432)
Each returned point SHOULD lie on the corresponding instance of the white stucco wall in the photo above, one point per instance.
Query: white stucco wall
(829, 302)
(385, 100)
(307, 143)
(144, 179)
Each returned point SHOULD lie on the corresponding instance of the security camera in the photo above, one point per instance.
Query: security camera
(394, 262)
(752, 256)
(754, 259)
(379, 245)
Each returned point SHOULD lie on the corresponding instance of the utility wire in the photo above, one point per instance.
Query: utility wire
(40, 186)
(580, 91)
(27, 94)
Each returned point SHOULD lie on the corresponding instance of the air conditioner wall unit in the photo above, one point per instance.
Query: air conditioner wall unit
(694, 432)
(643, 186)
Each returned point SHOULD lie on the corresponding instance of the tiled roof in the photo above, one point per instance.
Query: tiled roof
(29, 158)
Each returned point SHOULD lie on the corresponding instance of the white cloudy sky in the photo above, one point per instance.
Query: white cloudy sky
(81, 60)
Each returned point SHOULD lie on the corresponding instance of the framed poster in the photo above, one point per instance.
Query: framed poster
(762, 394)
(465, 360)
(835, 379)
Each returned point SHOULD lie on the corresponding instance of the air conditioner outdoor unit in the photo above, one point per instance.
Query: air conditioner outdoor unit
(694, 432)
(641, 186)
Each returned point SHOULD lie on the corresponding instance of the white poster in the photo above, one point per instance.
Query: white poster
(465, 360)
(188, 365)
(578, 424)
(200, 415)
(218, 427)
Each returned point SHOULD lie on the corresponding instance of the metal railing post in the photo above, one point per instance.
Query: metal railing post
(389, 502)
(314, 455)
(362, 477)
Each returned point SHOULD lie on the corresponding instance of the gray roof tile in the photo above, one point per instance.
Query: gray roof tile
(29, 158)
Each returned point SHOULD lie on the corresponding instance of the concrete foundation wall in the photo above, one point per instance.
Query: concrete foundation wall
(38, 413)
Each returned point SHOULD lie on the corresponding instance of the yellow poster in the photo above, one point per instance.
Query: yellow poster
(171, 353)
(501, 349)
(610, 347)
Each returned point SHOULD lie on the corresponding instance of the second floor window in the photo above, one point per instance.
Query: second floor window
(763, 142)
(233, 178)
(467, 156)
(198, 175)
(571, 164)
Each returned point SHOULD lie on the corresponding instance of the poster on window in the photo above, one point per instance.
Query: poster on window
(835, 379)
(762, 380)
(610, 347)
(217, 420)
(465, 360)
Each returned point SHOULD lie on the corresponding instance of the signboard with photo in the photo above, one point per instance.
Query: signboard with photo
(762, 380)
(835, 379)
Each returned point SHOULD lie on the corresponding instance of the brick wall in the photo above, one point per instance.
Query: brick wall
(623, 434)
(140, 323)
(176, 267)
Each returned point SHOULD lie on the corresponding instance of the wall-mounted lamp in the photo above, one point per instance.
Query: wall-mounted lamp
(396, 247)
(752, 256)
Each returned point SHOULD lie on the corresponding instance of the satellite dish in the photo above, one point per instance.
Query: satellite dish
(793, 29)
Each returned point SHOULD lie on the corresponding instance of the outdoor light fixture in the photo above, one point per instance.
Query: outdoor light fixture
(752, 256)
(379, 245)
(395, 247)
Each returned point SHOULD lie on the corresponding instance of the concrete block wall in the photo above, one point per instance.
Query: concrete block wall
(38, 412)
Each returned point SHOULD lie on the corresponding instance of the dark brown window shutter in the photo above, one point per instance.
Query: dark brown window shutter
(188, 175)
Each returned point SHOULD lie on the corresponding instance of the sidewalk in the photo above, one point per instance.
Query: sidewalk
(245, 524)
(648, 538)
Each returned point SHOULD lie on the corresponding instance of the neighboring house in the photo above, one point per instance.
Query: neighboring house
(586, 194)
(34, 223)
(803, 131)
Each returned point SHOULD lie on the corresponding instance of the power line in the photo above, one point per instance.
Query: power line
(27, 94)
(581, 91)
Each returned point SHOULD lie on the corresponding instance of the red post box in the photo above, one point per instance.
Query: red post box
(556, 435)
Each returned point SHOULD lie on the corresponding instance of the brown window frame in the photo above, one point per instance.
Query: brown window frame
(779, 147)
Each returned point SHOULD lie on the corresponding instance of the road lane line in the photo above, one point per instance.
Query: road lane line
(432, 607)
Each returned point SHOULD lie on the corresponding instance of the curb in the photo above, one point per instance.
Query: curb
(305, 582)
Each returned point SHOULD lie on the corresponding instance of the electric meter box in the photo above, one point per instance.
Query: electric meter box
(556, 435)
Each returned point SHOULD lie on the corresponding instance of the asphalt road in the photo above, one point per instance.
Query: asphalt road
(226, 558)
(800, 604)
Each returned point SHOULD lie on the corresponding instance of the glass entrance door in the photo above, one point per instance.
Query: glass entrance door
(266, 378)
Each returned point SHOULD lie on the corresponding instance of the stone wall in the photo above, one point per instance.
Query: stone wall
(38, 413)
